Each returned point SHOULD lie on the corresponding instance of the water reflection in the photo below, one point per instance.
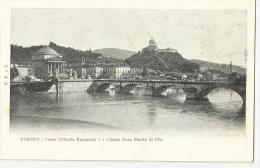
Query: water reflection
(132, 112)
(151, 111)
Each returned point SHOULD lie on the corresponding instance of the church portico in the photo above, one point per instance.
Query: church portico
(47, 62)
(52, 67)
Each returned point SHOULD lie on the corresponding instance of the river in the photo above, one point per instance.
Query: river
(81, 112)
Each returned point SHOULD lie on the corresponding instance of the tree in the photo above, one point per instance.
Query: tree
(13, 73)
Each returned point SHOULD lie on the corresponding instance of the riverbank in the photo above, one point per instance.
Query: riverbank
(64, 85)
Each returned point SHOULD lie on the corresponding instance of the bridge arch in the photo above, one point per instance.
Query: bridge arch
(103, 87)
(128, 88)
(160, 90)
(239, 90)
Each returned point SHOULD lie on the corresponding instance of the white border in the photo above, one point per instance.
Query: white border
(148, 164)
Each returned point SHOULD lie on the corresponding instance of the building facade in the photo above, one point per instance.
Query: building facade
(24, 69)
(115, 71)
(47, 62)
(94, 71)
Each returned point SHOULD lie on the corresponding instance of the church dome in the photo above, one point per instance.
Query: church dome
(46, 51)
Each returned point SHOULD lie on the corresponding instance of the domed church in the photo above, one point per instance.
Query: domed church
(47, 62)
(152, 47)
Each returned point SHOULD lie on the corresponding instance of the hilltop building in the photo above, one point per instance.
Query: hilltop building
(153, 48)
(167, 50)
(47, 62)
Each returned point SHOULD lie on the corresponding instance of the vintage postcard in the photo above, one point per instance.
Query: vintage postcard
(136, 80)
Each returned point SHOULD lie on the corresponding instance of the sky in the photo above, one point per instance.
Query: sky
(211, 35)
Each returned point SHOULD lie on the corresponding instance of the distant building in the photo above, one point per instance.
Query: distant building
(72, 73)
(167, 50)
(219, 76)
(94, 71)
(153, 48)
(234, 76)
(24, 69)
(115, 71)
(175, 75)
(47, 62)
(74, 70)
(204, 69)
(195, 76)
(73, 65)
(136, 71)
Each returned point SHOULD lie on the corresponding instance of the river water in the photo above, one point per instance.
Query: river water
(81, 112)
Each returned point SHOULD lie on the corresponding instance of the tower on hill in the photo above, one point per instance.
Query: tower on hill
(152, 47)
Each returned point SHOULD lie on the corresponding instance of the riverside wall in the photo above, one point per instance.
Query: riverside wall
(72, 85)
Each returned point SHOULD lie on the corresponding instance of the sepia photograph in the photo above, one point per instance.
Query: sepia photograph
(126, 82)
(171, 71)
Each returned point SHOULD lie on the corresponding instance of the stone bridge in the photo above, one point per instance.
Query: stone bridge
(196, 90)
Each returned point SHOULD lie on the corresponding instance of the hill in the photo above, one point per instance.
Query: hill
(163, 61)
(114, 53)
(220, 67)
(24, 54)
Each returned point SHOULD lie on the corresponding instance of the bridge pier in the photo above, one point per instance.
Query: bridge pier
(118, 88)
(193, 94)
(155, 91)
(93, 87)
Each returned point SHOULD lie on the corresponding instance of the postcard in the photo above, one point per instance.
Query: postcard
(127, 80)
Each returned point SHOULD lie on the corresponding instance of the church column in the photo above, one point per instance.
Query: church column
(48, 67)
(63, 67)
(51, 69)
(43, 68)
(55, 67)
(58, 68)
